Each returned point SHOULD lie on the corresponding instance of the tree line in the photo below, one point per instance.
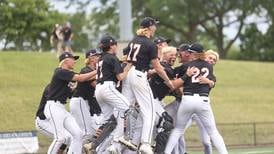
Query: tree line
(29, 26)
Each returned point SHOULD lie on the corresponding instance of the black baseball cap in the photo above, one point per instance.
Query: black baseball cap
(147, 22)
(92, 52)
(107, 41)
(183, 47)
(160, 39)
(196, 47)
(67, 55)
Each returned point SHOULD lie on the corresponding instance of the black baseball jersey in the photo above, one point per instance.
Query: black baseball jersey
(43, 101)
(192, 84)
(108, 67)
(179, 71)
(141, 52)
(158, 87)
(84, 89)
(60, 85)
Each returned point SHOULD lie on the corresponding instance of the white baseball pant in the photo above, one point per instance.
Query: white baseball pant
(62, 121)
(79, 109)
(111, 102)
(136, 88)
(172, 109)
(201, 106)
(204, 137)
(136, 136)
(47, 129)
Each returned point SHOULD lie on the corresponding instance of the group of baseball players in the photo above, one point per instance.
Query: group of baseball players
(116, 106)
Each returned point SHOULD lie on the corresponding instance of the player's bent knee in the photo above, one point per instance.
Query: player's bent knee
(60, 140)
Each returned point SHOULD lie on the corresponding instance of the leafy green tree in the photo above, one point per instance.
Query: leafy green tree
(182, 21)
(80, 35)
(256, 45)
(27, 24)
(251, 46)
(104, 19)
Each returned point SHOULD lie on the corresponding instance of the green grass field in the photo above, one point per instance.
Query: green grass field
(244, 90)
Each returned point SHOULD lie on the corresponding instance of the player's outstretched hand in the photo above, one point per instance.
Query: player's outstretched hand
(191, 71)
(203, 80)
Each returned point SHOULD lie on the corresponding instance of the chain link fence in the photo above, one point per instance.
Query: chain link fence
(237, 134)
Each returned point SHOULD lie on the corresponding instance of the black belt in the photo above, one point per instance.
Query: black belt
(100, 82)
(55, 101)
(191, 94)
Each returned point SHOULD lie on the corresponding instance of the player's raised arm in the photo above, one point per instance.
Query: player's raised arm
(121, 76)
(84, 77)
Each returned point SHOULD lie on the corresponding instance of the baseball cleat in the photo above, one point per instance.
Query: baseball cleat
(128, 144)
(112, 150)
(88, 148)
(146, 149)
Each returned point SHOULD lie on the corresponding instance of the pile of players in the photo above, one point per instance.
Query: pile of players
(117, 106)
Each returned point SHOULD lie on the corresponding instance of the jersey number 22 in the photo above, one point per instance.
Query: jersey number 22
(203, 72)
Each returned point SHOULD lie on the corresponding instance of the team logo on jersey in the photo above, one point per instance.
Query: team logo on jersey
(72, 85)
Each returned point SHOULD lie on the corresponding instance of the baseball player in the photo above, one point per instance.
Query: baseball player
(142, 53)
(60, 119)
(83, 105)
(186, 56)
(164, 122)
(43, 124)
(183, 57)
(161, 42)
(195, 100)
(111, 101)
(211, 57)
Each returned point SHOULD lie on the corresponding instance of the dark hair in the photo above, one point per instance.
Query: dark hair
(105, 48)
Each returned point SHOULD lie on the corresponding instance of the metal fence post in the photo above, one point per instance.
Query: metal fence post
(254, 134)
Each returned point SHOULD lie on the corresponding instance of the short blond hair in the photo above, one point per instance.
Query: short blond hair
(212, 52)
(168, 49)
(143, 32)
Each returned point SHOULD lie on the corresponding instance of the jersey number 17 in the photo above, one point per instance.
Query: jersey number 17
(134, 50)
